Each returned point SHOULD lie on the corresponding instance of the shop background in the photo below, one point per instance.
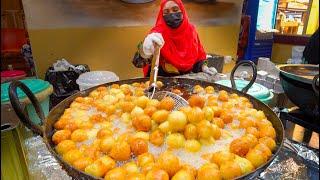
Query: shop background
(104, 34)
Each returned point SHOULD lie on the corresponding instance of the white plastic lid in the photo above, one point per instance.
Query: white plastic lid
(94, 78)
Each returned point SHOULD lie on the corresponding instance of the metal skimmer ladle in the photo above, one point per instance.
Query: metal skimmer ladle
(159, 95)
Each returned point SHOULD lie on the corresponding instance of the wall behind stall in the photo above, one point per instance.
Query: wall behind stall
(107, 42)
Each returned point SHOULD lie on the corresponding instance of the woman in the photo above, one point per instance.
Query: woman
(181, 50)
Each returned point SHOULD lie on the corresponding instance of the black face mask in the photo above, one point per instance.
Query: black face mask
(173, 20)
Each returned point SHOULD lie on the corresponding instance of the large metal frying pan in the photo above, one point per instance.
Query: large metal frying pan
(46, 129)
(299, 82)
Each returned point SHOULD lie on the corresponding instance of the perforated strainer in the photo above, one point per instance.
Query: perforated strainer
(159, 95)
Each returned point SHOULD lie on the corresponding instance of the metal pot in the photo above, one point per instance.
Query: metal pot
(299, 84)
(46, 130)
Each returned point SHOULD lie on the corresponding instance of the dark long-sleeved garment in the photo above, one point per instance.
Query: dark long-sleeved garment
(311, 51)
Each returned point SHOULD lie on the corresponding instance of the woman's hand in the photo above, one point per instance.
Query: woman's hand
(149, 42)
(209, 70)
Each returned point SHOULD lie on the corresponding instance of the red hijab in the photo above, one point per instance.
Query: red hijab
(182, 47)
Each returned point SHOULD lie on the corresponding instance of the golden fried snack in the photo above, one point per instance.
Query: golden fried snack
(204, 129)
(79, 135)
(192, 145)
(239, 147)
(145, 159)
(167, 103)
(95, 169)
(253, 141)
(142, 123)
(219, 122)
(230, 170)
(117, 173)
(65, 146)
(245, 165)
(106, 144)
(256, 157)
(150, 110)
(252, 130)
(104, 132)
(267, 131)
(157, 137)
(175, 140)
(177, 120)
(141, 101)
(196, 101)
(82, 163)
(120, 151)
(131, 168)
(183, 175)
(209, 171)
(165, 127)
(264, 149)
(160, 116)
(223, 95)
(190, 131)
(209, 90)
(148, 167)
(221, 157)
(169, 162)
(269, 142)
(136, 176)
(61, 135)
(208, 113)
(157, 174)
(216, 131)
(139, 146)
(126, 106)
(72, 155)
(195, 115)
(227, 117)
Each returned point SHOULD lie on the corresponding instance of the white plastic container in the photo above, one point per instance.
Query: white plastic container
(95, 78)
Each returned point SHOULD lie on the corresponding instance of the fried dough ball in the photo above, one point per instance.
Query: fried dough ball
(234, 96)
(212, 101)
(209, 90)
(251, 139)
(252, 130)
(104, 132)
(157, 174)
(106, 144)
(177, 120)
(195, 115)
(117, 173)
(150, 110)
(259, 115)
(95, 169)
(96, 118)
(267, 131)
(125, 117)
(230, 170)
(139, 92)
(167, 103)
(142, 135)
(136, 176)
(197, 89)
(131, 167)
(148, 167)
(190, 131)
(64, 146)
(192, 145)
(61, 123)
(207, 141)
(79, 135)
(217, 111)
(227, 117)
(269, 142)
(126, 106)
(72, 155)
(216, 131)
(209, 171)
(196, 101)
(82, 163)
(240, 147)
(160, 116)
(142, 123)
(165, 127)
(157, 137)
(141, 101)
(223, 95)
(145, 159)
(183, 175)
(264, 149)
(222, 156)
(153, 102)
(256, 157)
(208, 113)
(139, 146)
(190, 169)
(85, 125)
(120, 151)
(136, 112)
(219, 122)
(247, 122)
(245, 165)
(175, 140)
(204, 129)
(61, 135)
(169, 162)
